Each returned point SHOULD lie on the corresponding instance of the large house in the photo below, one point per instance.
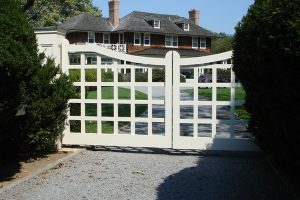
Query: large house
(137, 33)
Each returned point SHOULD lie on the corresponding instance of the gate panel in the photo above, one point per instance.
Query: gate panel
(116, 103)
(204, 106)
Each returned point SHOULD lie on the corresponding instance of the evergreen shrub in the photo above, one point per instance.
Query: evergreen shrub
(266, 61)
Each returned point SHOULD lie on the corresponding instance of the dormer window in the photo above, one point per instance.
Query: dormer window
(156, 24)
(186, 26)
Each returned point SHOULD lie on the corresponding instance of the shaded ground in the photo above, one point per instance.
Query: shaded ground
(114, 175)
(13, 170)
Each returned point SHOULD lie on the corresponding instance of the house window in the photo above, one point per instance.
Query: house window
(147, 39)
(91, 37)
(90, 59)
(175, 41)
(186, 26)
(137, 38)
(106, 61)
(106, 38)
(121, 38)
(74, 59)
(203, 43)
(195, 42)
(171, 41)
(156, 24)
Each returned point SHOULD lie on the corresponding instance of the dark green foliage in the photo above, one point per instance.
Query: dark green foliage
(158, 75)
(266, 60)
(50, 12)
(74, 75)
(18, 63)
(25, 83)
(107, 76)
(222, 44)
(141, 77)
(122, 77)
(47, 97)
(91, 75)
(224, 75)
(182, 78)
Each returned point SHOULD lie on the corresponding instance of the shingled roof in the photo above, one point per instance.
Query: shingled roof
(169, 24)
(87, 22)
(163, 51)
(136, 22)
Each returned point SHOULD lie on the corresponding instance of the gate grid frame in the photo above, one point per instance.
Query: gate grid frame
(171, 138)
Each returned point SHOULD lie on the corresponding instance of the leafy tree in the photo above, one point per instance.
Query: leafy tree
(33, 97)
(50, 12)
(158, 75)
(266, 60)
(222, 44)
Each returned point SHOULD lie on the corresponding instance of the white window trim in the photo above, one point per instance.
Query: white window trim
(121, 34)
(94, 37)
(108, 38)
(158, 27)
(197, 40)
(140, 38)
(172, 41)
(188, 26)
(145, 39)
(203, 47)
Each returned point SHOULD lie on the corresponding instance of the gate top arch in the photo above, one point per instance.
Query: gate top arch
(206, 59)
(94, 48)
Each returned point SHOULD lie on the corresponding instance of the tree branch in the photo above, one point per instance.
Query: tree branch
(28, 5)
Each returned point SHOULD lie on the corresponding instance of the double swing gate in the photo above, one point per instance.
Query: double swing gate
(171, 102)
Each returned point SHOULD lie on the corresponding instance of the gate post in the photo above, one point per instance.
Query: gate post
(169, 96)
(176, 97)
(64, 62)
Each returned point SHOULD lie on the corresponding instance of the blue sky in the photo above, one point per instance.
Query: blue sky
(215, 15)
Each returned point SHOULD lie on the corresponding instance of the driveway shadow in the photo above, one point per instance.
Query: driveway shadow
(8, 168)
(12, 165)
(232, 178)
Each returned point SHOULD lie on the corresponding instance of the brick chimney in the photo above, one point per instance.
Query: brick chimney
(114, 12)
(194, 16)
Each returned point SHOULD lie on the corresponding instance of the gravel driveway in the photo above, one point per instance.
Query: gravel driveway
(116, 175)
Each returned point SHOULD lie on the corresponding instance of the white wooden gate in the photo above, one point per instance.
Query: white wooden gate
(111, 108)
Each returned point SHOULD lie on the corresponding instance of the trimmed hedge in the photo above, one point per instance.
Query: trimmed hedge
(41, 92)
(266, 61)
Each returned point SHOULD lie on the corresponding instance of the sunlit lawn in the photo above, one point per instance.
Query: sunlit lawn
(124, 110)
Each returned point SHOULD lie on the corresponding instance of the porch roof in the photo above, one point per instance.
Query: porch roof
(162, 52)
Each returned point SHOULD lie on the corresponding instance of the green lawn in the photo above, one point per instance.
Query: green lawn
(224, 94)
(108, 109)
